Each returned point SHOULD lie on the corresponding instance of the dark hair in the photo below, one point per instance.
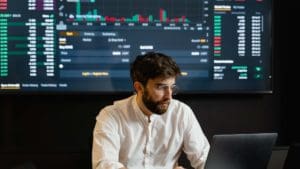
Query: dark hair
(152, 65)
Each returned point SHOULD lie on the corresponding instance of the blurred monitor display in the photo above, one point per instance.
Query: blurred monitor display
(86, 46)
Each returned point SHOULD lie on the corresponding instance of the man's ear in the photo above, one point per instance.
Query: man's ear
(137, 86)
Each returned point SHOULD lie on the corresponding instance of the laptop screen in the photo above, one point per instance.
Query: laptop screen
(240, 151)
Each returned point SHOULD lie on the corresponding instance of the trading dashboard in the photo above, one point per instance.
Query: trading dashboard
(221, 46)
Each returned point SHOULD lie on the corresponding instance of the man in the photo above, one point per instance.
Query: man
(150, 129)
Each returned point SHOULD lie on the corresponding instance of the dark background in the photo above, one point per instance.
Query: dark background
(55, 131)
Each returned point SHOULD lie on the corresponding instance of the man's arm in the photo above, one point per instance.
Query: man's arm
(196, 145)
(106, 143)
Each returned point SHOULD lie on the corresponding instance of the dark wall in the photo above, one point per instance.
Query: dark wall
(286, 53)
(55, 131)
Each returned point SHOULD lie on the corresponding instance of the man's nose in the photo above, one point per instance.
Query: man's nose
(168, 92)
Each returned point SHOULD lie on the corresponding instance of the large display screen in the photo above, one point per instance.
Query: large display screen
(222, 46)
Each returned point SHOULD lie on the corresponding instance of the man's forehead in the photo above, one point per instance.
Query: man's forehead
(162, 80)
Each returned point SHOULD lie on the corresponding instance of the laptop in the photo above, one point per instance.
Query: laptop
(293, 157)
(240, 151)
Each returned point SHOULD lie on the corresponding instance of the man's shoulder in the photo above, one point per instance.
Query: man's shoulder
(123, 102)
(117, 107)
(180, 104)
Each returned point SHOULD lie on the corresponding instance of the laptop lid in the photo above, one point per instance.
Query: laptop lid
(293, 157)
(240, 151)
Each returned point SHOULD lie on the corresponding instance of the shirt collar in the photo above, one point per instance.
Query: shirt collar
(140, 113)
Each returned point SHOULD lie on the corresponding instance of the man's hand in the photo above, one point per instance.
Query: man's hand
(178, 167)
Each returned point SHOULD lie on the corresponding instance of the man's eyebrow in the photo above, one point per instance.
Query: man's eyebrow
(160, 84)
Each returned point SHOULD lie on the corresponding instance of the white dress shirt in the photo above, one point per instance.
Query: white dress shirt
(124, 137)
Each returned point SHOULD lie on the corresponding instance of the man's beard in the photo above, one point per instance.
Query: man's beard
(156, 107)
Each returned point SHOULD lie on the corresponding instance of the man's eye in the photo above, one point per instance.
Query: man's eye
(173, 88)
(164, 87)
